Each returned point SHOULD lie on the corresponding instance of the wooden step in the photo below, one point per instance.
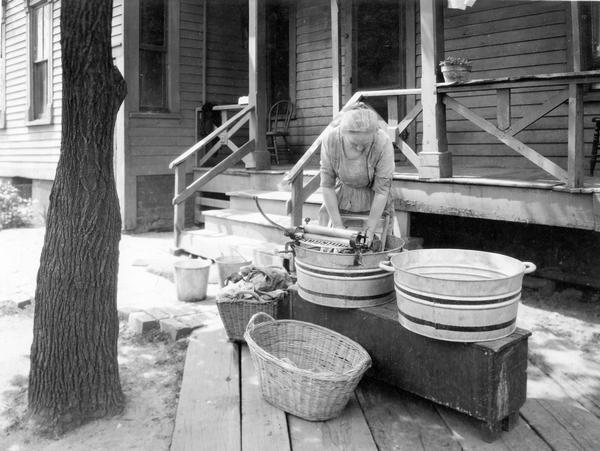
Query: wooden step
(240, 179)
(249, 224)
(213, 244)
(273, 202)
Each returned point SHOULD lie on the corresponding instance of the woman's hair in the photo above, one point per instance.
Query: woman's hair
(358, 117)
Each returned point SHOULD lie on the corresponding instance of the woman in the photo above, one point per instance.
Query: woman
(357, 165)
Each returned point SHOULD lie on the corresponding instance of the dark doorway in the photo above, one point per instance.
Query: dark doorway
(278, 42)
(377, 55)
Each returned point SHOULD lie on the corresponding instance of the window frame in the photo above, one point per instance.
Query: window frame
(173, 108)
(47, 116)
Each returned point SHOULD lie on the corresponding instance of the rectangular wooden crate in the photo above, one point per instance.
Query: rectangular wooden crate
(486, 380)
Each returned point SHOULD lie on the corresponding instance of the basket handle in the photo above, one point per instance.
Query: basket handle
(251, 323)
(529, 267)
(386, 266)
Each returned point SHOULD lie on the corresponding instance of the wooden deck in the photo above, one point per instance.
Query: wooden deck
(220, 408)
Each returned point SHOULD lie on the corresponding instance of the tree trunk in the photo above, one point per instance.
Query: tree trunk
(74, 372)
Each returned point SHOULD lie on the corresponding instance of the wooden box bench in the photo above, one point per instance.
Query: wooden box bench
(486, 380)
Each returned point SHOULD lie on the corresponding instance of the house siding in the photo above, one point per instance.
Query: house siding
(153, 141)
(313, 73)
(28, 151)
(32, 151)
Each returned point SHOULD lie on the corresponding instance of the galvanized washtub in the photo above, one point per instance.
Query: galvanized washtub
(343, 280)
(457, 295)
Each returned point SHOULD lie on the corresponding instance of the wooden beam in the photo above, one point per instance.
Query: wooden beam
(503, 108)
(539, 111)
(208, 413)
(257, 84)
(207, 139)
(179, 209)
(216, 170)
(409, 153)
(264, 426)
(575, 133)
(434, 112)
(297, 199)
(348, 57)
(574, 36)
(335, 57)
(533, 156)
(410, 52)
(410, 117)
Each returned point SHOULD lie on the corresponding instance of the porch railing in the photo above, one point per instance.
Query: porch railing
(505, 131)
(181, 164)
(295, 177)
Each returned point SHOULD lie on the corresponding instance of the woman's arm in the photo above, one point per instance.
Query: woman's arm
(377, 207)
(331, 204)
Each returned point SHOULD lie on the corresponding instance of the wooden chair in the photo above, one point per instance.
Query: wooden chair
(594, 155)
(279, 120)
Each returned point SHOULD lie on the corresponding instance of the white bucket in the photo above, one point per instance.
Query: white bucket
(458, 295)
(228, 265)
(191, 279)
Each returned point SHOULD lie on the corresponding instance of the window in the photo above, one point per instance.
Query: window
(153, 56)
(40, 49)
(595, 35)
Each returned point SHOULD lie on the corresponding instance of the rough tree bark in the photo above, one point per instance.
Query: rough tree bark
(74, 374)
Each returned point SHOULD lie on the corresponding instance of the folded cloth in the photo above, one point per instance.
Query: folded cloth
(267, 282)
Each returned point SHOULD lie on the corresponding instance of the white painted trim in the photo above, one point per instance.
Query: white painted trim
(47, 118)
(133, 40)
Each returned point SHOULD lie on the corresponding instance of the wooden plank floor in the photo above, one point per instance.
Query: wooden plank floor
(220, 408)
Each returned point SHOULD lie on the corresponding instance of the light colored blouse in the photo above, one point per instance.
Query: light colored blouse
(357, 180)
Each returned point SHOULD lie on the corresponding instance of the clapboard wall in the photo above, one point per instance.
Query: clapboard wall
(153, 140)
(29, 151)
(227, 51)
(313, 72)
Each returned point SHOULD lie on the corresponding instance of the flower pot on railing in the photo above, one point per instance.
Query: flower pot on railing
(456, 69)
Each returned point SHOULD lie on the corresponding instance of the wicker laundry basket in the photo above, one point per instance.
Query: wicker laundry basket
(305, 369)
(236, 312)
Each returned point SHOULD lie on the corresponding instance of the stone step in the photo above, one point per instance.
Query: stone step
(273, 202)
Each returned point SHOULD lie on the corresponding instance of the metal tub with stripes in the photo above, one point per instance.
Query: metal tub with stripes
(456, 294)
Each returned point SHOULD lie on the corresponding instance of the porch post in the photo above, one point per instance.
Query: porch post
(335, 56)
(575, 160)
(257, 85)
(434, 160)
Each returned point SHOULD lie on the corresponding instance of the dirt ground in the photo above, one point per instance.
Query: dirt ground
(151, 366)
(564, 322)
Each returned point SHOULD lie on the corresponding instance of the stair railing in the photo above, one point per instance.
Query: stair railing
(295, 177)
(181, 163)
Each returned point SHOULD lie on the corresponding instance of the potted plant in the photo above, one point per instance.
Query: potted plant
(456, 69)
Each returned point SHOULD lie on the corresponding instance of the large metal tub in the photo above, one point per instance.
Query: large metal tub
(457, 295)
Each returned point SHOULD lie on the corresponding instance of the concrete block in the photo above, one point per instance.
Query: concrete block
(194, 321)
(174, 328)
(124, 312)
(157, 313)
(141, 322)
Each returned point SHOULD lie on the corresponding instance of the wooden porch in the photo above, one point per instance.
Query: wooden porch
(220, 408)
